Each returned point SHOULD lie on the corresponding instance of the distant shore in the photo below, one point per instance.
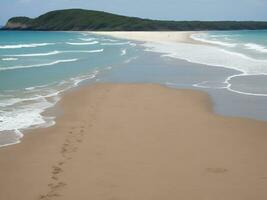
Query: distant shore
(152, 36)
(81, 19)
(137, 141)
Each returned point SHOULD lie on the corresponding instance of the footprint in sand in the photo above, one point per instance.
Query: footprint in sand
(57, 186)
(61, 163)
(79, 140)
(67, 148)
(56, 170)
(54, 177)
(49, 196)
(63, 150)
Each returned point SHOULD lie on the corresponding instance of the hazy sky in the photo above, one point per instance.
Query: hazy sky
(155, 9)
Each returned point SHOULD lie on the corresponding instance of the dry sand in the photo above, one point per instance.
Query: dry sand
(151, 36)
(138, 142)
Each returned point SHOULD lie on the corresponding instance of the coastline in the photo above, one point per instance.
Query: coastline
(212, 53)
(137, 141)
(152, 36)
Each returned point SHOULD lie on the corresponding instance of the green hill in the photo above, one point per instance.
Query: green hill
(80, 20)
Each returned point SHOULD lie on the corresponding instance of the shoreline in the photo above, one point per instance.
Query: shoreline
(152, 36)
(137, 141)
(166, 36)
(160, 141)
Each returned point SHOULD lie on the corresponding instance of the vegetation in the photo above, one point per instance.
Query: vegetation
(80, 20)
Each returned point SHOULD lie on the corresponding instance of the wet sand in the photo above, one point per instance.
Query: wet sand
(138, 141)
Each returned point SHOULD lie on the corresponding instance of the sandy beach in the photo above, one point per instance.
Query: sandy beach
(133, 100)
(151, 36)
(138, 141)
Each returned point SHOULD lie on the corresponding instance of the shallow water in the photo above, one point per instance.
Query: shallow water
(37, 67)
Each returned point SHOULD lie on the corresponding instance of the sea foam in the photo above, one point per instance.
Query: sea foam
(87, 39)
(55, 53)
(18, 46)
(82, 43)
(210, 55)
(114, 43)
(123, 52)
(27, 112)
(37, 65)
(201, 38)
(36, 54)
(9, 59)
(256, 47)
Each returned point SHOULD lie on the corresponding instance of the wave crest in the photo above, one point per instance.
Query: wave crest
(82, 43)
(18, 46)
(256, 47)
(38, 65)
(199, 37)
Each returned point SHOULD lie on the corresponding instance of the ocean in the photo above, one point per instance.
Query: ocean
(36, 68)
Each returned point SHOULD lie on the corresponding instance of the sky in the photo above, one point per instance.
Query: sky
(153, 9)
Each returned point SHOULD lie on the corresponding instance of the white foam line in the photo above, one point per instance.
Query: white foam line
(88, 51)
(20, 100)
(36, 54)
(197, 37)
(210, 56)
(229, 85)
(118, 43)
(9, 59)
(133, 44)
(200, 85)
(82, 43)
(78, 80)
(87, 39)
(30, 88)
(247, 93)
(56, 52)
(227, 80)
(242, 56)
(109, 40)
(38, 65)
(19, 134)
(39, 86)
(18, 46)
(256, 47)
(12, 143)
(150, 47)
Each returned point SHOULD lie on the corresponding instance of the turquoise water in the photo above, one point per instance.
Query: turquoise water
(250, 43)
(29, 59)
(229, 50)
(36, 68)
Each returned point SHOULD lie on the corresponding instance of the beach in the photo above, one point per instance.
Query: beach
(137, 141)
(151, 36)
(124, 140)
(128, 100)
